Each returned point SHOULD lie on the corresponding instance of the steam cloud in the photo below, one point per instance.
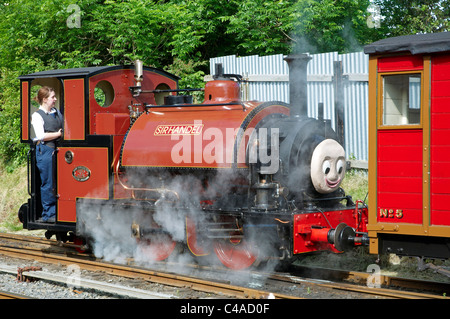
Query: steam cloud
(109, 225)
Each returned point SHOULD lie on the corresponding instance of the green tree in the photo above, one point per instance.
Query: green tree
(330, 25)
(261, 27)
(403, 17)
(177, 35)
(12, 152)
(284, 26)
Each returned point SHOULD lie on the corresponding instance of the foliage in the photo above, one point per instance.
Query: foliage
(12, 151)
(192, 78)
(269, 27)
(261, 27)
(181, 35)
(330, 25)
(110, 32)
(403, 17)
(37, 35)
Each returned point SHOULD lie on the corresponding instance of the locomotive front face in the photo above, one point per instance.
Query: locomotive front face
(327, 166)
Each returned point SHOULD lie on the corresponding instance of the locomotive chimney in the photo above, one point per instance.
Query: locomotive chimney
(298, 92)
(138, 72)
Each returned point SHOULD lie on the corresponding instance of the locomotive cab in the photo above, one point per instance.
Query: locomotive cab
(94, 103)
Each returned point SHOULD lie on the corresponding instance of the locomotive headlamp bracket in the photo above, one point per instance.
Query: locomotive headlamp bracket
(68, 156)
(135, 90)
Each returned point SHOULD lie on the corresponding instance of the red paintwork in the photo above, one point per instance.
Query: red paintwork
(157, 248)
(236, 255)
(400, 165)
(310, 230)
(221, 91)
(440, 141)
(25, 115)
(113, 120)
(211, 145)
(193, 244)
(69, 189)
(400, 63)
(74, 119)
(121, 80)
(112, 123)
(400, 174)
(115, 124)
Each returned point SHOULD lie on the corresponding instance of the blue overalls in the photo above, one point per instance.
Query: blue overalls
(44, 161)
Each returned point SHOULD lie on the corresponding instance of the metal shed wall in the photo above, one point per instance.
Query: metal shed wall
(268, 78)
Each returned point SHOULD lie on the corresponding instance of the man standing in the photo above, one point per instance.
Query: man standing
(47, 123)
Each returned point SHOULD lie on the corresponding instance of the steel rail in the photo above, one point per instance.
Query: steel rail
(350, 280)
(145, 274)
(82, 283)
(9, 295)
(361, 278)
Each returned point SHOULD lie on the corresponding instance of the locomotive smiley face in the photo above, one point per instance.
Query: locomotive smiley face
(327, 166)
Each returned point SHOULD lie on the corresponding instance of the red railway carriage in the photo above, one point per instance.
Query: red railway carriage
(409, 145)
(245, 181)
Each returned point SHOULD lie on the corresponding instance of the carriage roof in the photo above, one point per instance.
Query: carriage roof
(414, 44)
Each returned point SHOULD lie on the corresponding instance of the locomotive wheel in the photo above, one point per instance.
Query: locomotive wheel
(80, 244)
(236, 255)
(156, 248)
(195, 247)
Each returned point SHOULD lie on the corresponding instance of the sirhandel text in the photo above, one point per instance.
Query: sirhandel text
(214, 145)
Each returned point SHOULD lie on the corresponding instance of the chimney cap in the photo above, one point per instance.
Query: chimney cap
(295, 57)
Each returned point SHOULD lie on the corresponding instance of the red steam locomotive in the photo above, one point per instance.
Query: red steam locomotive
(245, 181)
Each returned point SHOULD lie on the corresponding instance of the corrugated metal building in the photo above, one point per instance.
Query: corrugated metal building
(268, 79)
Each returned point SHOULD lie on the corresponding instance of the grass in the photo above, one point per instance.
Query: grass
(13, 193)
(356, 184)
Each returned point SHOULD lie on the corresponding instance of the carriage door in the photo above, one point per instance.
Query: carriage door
(400, 140)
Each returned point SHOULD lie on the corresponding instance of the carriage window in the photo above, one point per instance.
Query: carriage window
(401, 99)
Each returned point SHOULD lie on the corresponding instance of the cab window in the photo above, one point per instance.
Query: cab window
(36, 84)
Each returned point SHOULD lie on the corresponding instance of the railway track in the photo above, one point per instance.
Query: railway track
(349, 278)
(8, 295)
(50, 251)
(361, 288)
